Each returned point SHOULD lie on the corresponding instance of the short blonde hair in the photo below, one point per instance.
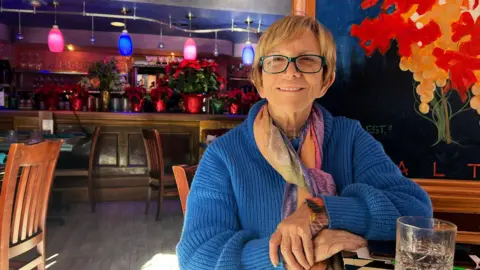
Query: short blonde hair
(287, 29)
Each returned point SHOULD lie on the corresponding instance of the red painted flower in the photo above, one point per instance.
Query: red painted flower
(377, 34)
(466, 26)
(460, 67)
(401, 6)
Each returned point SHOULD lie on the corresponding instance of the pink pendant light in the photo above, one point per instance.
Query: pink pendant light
(190, 50)
(55, 36)
(55, 40)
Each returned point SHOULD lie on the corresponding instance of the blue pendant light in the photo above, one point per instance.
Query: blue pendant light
(248, 54)
(125, 46)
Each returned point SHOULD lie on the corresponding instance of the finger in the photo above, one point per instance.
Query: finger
(297, 249)
(308, 248)
(275, 241)
(286, 249)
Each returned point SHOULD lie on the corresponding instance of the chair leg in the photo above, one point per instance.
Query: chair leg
(41, 251)
(91, 196)
(149, 196)
(160, 199)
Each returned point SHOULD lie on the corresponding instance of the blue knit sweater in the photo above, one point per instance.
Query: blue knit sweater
(235, 200)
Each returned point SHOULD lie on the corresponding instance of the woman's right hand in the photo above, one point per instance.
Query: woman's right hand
(329, 242)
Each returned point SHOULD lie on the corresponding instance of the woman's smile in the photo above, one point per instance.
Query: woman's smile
(290, 89)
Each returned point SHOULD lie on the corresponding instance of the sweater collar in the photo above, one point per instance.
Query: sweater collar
(327, 117)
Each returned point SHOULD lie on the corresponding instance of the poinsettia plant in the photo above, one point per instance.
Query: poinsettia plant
(135, 94)
(76, 91)
(195, 77)
(49, 91)
(161, 93)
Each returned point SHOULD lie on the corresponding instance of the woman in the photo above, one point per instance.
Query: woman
(292, 172)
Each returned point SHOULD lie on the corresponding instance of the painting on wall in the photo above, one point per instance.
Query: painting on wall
(409, 71)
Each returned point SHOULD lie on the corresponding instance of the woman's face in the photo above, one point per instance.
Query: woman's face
(292, 91)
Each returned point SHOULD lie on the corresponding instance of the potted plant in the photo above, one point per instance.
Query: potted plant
(103, 76)
(50, 95)
(159, 96)
(135, 95)
(76, 95)
(194, 79)
(234, 100)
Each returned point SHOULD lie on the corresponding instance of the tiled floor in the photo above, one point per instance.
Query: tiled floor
(119, 236)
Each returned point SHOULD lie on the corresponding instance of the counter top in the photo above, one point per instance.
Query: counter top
(127, 116)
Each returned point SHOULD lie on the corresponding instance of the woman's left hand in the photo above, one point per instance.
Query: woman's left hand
(294, 237)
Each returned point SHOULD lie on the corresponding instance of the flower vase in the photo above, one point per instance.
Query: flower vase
(160, 105)
(234, 108)
(218, 106)
(136, 106)
(193, 103)
(105, 100)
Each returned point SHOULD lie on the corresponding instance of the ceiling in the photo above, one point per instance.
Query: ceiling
(208, 14)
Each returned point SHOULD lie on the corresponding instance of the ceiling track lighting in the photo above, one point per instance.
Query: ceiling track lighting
(130, 17)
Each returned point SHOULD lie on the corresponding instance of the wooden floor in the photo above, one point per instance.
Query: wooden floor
(119, 236)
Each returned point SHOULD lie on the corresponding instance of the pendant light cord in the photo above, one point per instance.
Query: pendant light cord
(55, 5)
(190, 25)
(92, 26)
(161, 33)
(19, 22)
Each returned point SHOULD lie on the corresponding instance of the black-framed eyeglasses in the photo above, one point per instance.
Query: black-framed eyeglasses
(306, 63)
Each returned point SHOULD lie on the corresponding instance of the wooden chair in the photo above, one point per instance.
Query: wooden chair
(86, 172)
(156, 176)
(24, 200)
(183, 177)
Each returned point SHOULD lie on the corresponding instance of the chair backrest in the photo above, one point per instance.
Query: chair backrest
(93, 146)
(24, 196)
(183, 177)
(153, 148)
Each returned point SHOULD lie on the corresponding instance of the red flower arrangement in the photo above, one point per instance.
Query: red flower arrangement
(195, 76)
(50, 95)
(161, 93)
(135, 94)
(77, 95)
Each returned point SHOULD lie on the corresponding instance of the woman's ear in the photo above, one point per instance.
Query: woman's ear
(327, 85)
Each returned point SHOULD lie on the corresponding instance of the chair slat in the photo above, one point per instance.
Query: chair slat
(17, 212)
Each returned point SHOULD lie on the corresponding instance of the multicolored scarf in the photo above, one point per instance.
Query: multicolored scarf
(301, 169)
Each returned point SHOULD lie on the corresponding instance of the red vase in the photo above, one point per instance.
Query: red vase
(234, 108)
(193, 103)
(136, 107)
(77, 104)
(160, 106)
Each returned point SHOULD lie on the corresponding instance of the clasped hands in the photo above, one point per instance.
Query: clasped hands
(294, 238)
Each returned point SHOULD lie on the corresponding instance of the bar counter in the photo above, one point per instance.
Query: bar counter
(120, 155)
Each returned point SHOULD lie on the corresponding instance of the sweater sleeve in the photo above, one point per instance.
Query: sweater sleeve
(378, 195)
(212, 237)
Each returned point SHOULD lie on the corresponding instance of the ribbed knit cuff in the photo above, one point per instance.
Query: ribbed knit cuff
(347, 213)
(255, 254)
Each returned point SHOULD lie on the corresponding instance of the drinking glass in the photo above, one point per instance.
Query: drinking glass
(12, 136)
(425, 243)
(36, 136)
